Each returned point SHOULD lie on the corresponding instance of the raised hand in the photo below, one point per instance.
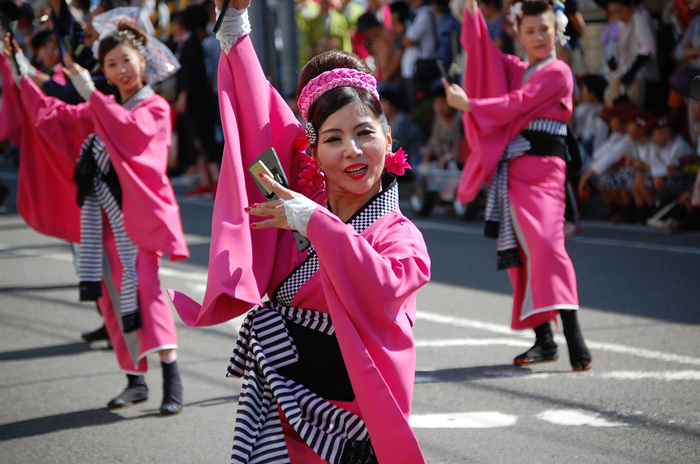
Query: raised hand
(456, 96)
(72, 68)
(237, 4)
(272, 209)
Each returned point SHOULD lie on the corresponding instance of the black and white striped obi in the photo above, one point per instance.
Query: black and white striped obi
(99, 190)
(540, 137)
(289, 357)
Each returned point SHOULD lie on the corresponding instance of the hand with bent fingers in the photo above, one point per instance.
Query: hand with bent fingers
(272, 209)
(72, 68)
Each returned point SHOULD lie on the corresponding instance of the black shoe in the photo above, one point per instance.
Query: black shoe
(579, 355)
(95, 335)
(544, 350)
(135, 392)
(172, 390)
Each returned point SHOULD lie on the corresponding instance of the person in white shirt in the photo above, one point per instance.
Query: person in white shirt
(601, 171)
(635, 68)
(420, 42)
(590, 129)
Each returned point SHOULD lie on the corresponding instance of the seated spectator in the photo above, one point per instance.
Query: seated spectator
(405, 132)
(602, 171)
(444, 145)
(669, 179)
(448, 33)
(635, 68)
(381, 45)
(589, 128)
(496, 24)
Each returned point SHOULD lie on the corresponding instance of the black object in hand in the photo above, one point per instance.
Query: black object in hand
(612, 64)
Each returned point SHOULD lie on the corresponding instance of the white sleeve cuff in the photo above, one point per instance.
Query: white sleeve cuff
(83, 84)
(298, 211)
(234, 26)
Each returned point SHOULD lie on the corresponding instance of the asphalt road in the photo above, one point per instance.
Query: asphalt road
(639, 291)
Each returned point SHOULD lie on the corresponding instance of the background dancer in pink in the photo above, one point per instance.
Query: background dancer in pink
(515, 118)
(328, 363)
(128, 217)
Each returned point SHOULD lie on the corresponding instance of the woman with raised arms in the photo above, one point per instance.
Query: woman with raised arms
(515, 118)
(128, 217)
(328, 362)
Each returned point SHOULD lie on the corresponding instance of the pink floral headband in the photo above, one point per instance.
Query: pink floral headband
(328, 80)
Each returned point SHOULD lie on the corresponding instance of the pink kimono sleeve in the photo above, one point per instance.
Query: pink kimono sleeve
(254, 118)
(52, 134)
(137, 142)
(488, 73)
(11, 109)
(370, 289)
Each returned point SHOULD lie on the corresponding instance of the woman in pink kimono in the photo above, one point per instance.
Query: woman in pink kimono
(128, 217)
(515, 118)
(328, 362)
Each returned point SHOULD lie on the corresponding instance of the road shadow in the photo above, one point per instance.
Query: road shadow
(463, 374)
(57, 423)
(43, 288)
(46, 352)
(214, 401)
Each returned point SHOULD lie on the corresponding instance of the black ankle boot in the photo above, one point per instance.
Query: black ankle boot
(579, 355)
(172, 390)
(136, 392)
(95, 335)
(544, 349)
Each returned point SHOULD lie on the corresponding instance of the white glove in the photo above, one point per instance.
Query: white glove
(22, 67)
(83, 84)
(298, 211)
(234, 26)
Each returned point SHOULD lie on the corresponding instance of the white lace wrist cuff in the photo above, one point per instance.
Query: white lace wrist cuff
(22, 67)
(298, 211)
(83, 84)
(234, 26)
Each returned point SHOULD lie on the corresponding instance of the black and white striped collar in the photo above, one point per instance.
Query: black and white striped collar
(140, 95)
(378, 206)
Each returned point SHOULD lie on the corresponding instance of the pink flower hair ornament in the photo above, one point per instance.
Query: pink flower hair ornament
(396, 163)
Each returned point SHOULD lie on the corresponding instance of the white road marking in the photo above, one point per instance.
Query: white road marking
(462, 420)
(639, 375)
(61, 254)
(580, 239)
(577, 417)
(602, 346)
(471, 342)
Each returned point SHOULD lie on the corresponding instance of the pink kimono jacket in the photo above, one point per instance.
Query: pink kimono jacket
(11, 110)
(501, 107)
(367, 282)
(137, 142)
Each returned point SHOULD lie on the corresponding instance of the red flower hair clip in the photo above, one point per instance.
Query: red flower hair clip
(396, 163)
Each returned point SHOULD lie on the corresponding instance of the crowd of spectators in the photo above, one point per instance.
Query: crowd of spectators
(635, 120)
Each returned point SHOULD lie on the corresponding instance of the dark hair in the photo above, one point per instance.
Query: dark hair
(536, 7)
(41, 38)
(496, 3)
(366, 22)
(197, 16)
(596, 84)
(402, 9)
(338, 98)
(112, 4)
(115, 38)
(188, 21)
(443, 6)
(627, 3)
(392, 96)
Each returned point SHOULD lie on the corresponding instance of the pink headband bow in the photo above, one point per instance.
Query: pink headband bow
(328, 80)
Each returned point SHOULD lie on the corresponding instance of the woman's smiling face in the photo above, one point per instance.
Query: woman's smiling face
(123, 66)
(351, 150)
